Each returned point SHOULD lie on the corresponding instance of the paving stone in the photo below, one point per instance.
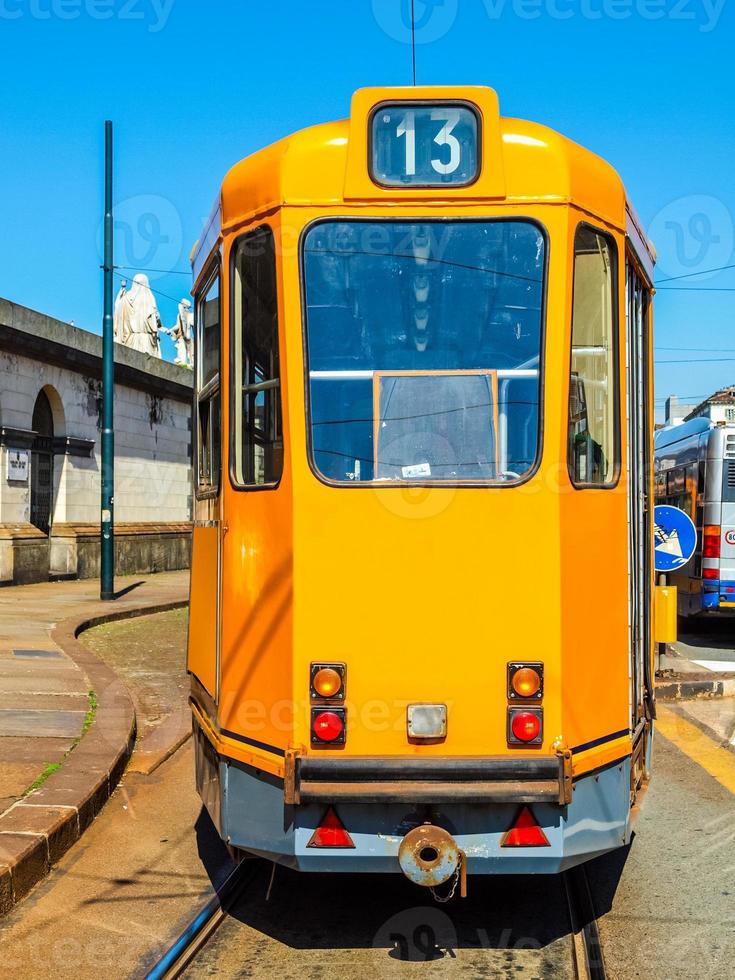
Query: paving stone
(60, 668)
(16, 777)
(73, 683)
(54, 702)
(45, 724)
(43, 703)
(38, 750)
(59, 826)
(87, 791)
(6, 802)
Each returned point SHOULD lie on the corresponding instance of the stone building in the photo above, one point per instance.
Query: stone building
(718, 408)
(50, 405)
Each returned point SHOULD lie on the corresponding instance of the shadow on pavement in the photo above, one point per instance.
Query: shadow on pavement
(708, 633)
(604, 874)
(128, 588)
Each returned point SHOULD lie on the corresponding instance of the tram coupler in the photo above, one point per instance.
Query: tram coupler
(430, 856)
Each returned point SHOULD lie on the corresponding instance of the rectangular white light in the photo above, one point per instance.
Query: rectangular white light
(427, 720)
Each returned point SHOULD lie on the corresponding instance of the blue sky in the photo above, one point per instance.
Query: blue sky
(194, 86)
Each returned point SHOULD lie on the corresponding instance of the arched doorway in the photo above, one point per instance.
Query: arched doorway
(42, 463)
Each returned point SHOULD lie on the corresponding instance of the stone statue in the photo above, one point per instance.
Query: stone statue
(117, 317)
(137, 319)
(181, 334)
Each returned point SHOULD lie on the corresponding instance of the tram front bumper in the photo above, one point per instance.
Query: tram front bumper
(433, 780)
(277, 820)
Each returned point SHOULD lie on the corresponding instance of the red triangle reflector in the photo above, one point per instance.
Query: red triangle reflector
(525, 832)
(330, 832)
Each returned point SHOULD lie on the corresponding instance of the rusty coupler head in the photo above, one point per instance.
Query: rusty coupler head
(428, 855)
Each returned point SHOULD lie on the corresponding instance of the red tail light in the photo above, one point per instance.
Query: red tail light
(525, 726)
(710, 573)
(328, 727)
(331, 832)
(711, 541)
(525, 832)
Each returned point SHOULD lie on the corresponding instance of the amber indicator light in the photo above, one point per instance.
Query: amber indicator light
(525, 681)
(328, 682)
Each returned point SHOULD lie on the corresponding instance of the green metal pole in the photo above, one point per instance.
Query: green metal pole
(107, 524)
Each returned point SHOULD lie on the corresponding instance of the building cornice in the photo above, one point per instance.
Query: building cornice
(43, 338)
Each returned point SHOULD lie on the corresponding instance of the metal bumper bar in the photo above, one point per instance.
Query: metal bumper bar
(311, 779)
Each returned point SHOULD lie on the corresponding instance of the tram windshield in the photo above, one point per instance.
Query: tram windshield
(424, 349)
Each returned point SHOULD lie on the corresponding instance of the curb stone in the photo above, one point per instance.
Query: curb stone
(676, 689)
(39, 829)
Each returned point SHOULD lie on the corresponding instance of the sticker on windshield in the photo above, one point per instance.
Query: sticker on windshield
(418, 469)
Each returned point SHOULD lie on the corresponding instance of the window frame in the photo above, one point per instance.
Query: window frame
(615, 288)
(372, 485)
(213, 272)
(233, 401)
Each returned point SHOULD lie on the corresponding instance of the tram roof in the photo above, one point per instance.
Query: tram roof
(324, 166)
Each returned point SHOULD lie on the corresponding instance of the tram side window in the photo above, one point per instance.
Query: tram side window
(208, 386)
(258, 430)
(593, 392)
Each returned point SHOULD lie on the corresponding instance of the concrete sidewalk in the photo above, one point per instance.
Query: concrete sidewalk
(67, 721)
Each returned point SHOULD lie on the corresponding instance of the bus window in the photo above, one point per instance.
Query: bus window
(208, 386)
(424, 350)
(257, 429)
(593, 390)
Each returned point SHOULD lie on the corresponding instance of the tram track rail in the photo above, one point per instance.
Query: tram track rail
(589, 962)
(201, 929)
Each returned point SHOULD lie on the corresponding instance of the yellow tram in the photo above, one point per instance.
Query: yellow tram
(420, 631)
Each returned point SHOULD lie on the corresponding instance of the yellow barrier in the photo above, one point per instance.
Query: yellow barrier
(664, 614)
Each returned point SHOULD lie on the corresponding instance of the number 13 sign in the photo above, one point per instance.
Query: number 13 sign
(424, 145)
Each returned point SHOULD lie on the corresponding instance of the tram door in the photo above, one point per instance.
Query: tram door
(639, 469)
(204, 609)
(42, 464)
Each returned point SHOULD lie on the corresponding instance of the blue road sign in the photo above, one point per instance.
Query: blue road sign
(674, 538)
